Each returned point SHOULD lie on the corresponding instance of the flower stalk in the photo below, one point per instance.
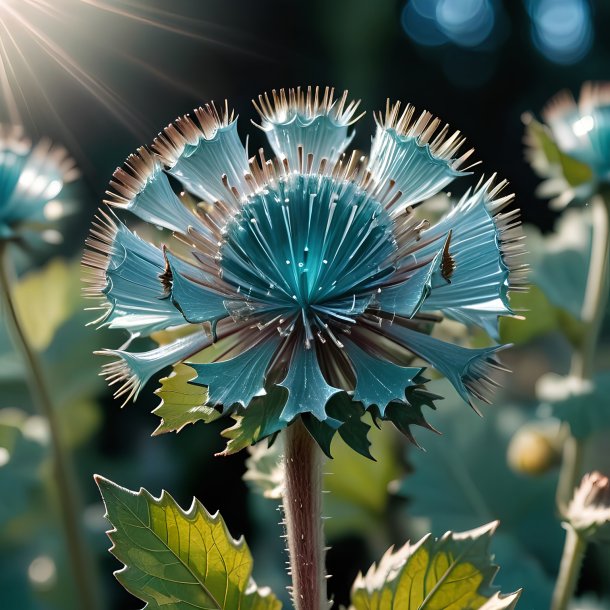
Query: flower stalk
(67, 495)
(302, 504)
(593, 310)
(569, 569)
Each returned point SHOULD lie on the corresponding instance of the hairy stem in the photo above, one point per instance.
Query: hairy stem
(302, 503)
(66, 491)
(571, 561)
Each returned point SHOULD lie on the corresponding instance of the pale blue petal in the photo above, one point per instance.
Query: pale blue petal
(29, 179)
(239, 379)
(136, 298)
(197, 302)
(308, 391)
(476, 292)
(414, 154)
(315, 123)
(204, 150)
(467, 369)
(378, 381)
(134, 369)
(142, 187)
(406, 298)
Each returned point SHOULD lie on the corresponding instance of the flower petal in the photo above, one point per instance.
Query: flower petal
(407, 297)
(191, 294)
(308, 391)
(141, 187)
(206, 154)
(485, 248)
(298, 124)
(126, 271)
(378, 381)
(467, 369)
(239, 379)
(408, 153)
(134, 369)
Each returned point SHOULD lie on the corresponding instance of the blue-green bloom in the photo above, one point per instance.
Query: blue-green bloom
(571, 151)
(31, 178)
(311, 274)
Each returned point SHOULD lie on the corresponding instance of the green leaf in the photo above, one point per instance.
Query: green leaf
(575, 172)
(463, 479)
(587, 411)
(45, 299)
(260, 420)
(176, 559)
(559, 260)
(181, 402)
(453, 573)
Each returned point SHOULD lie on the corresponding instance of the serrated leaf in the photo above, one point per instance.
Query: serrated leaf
(176, 559)
(453, 573)
(575, 172)
(260, 420)
(463, 479)
(181, 402)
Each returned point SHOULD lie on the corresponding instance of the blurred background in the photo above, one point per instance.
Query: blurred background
(102, 77)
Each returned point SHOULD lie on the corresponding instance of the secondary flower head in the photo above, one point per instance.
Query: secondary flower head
(31, 178)
(589, 510)
(307, 283)
(572, 149)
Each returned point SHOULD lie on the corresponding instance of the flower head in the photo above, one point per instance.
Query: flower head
(307, 283)
(589, 510)
(32, 177)
(571, 150)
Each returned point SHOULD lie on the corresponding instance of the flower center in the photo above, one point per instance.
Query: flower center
(309, 247)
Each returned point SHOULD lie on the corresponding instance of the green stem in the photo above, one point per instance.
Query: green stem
(583, 366)
(593, 311)
(66, 490)
(302, 503)
(571, 561)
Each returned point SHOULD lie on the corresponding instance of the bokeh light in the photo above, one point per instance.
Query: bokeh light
(466, 23)
(561, 29)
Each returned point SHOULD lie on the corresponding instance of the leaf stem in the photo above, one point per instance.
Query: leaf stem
(302, 503)
(571, 561)
(66, 491)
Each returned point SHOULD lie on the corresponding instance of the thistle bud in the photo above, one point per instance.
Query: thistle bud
(589, 511)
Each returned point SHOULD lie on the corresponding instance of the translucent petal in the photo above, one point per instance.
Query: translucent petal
(141, 187)
(467, 369)
(29, 178)
(134, 369)
(411, 154)
(299, 124)
(476, 290)
(239, 379)
(308, 391)
(378, 382)
(136, 298)
(406, 298)
(200, 168)
(197, 302)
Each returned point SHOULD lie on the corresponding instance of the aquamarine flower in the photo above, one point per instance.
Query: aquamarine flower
(311, 275)
(572, 149)
(31, 177)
